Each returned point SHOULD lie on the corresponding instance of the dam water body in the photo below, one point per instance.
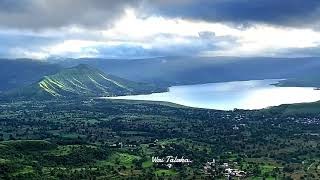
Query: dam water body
(253, 94)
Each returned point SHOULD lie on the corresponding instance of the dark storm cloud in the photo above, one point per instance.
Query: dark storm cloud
(9, 5)
(245, 12)
(18, 17)
(41, 14)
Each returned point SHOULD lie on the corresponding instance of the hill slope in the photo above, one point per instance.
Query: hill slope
(84, 80)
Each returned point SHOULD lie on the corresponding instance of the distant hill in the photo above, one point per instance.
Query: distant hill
(17, 73)
(303, 109)
(197, 70)
(83, 81)
(307, 81)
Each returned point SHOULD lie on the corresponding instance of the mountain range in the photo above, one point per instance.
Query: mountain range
(17, 73)
(167, 71)
(82, 81)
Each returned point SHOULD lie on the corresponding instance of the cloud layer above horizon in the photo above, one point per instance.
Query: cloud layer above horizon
(44, 29)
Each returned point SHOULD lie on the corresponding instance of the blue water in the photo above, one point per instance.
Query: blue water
(254, 94)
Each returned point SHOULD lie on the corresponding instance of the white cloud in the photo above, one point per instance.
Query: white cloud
(71, 46)
(21, 53)
(133, 27)
(257, 40)
(265, 40)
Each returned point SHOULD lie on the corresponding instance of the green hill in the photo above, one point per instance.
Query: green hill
(296, 109)
(86, 81)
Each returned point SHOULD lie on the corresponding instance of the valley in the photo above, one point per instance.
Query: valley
(112, 139)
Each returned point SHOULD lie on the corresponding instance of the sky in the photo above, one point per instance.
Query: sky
(49, 29)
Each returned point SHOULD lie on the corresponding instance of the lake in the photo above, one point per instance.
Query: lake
(254, 94)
